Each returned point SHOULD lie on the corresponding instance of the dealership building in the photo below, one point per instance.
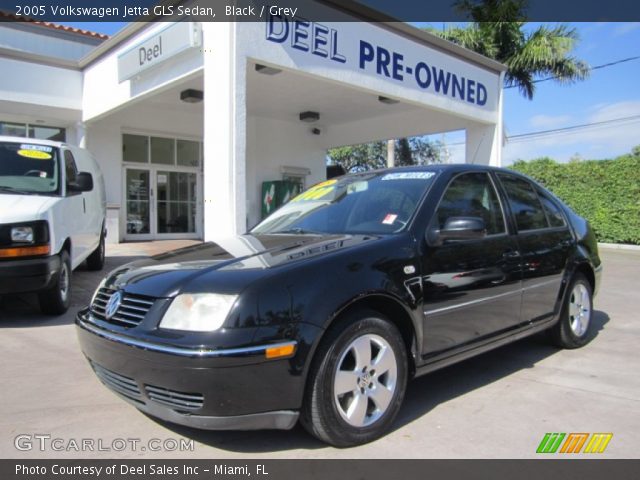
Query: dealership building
(188, 119)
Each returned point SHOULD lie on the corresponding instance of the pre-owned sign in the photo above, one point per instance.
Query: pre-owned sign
(160, 47)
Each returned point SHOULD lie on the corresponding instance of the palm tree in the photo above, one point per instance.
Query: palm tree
(498, 32)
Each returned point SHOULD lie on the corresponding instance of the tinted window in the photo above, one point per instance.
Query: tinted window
(70, 168)
(472, 195)
(524, 203)
(554, 215)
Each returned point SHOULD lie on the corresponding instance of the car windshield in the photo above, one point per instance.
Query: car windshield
(376, 203)
(28, 168)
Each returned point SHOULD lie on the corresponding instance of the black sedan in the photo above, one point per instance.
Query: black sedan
(328, 307)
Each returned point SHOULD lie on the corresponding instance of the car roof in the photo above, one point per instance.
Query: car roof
(35, 141)
(439, 167)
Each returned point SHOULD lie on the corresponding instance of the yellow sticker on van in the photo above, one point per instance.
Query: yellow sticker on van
(35, 154)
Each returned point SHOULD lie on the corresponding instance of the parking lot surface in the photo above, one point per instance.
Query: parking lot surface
(498, 405)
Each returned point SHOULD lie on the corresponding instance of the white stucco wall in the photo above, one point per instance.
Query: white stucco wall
(104, 93)
(40, 85)
(272, 144)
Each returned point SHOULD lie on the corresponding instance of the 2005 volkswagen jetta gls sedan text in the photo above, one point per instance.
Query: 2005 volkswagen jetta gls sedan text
(329, 306)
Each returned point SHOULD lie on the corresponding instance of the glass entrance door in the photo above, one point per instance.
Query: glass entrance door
(162, 202)
(138, 202)
(177, 200)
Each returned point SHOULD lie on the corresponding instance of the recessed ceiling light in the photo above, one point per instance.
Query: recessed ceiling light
(387, 100)
(266, 70)
(309, 117)
(191, 95)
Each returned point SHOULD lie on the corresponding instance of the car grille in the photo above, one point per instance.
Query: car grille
(178, 400)
(123, 385)
(131, 312)
(128, 387)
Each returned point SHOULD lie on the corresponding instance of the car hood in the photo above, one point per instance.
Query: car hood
(24, 208)
(239, 259)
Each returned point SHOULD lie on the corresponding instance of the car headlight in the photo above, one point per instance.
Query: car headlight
(198, 312)
(22, 234)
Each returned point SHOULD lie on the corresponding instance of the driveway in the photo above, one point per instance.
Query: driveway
(498, 405)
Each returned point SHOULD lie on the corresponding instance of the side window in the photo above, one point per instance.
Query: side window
(472, 195)
(70, 168)
(524, 202)
(554, 215)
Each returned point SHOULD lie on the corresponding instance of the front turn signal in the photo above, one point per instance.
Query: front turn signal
(280, 351)
(14, 252)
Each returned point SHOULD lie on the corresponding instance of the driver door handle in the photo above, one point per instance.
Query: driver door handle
(511, 254)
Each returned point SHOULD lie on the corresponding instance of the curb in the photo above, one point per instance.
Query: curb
(620, 246)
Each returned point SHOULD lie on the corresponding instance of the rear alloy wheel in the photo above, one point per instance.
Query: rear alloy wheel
(357, 381)
(573, 328)
(57, 298)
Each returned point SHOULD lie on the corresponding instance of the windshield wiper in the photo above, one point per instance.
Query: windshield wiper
(16, 190)
(299, 231)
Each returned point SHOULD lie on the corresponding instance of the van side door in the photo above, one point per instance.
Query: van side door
(545, 244)
(74, 212)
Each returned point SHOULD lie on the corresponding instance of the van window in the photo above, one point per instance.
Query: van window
(70, 169)
(28, 168)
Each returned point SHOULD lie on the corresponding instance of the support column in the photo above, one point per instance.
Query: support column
(81, 134)
(224, 160)
(485, 142)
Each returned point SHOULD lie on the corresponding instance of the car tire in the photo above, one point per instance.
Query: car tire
(56, 299)
(574, 326)
(95, 261)
(345, 415)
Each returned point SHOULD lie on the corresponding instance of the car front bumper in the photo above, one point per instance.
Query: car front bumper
(27, 275)
(232, 389)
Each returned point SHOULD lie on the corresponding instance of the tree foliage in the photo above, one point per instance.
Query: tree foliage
(498, 32)
(605, 192)
(369, 156)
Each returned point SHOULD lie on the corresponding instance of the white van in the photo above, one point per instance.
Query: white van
(52, 218)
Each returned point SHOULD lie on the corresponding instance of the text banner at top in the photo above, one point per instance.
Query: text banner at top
(61, 11)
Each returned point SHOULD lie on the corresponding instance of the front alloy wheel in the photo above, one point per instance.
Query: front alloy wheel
(365, 380)
(357, 380)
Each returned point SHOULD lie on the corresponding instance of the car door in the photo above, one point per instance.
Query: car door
(74, 212)
(471, 288)
(545, 243)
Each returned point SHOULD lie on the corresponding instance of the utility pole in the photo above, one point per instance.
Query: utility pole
(391, 149)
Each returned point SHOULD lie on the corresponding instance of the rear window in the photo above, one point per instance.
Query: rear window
(28, 168)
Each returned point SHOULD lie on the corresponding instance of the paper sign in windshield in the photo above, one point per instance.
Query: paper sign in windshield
(389, 219)
(408, 176)
(35, 154)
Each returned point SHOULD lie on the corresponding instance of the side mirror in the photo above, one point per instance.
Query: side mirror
(83, 183)
(462, 228)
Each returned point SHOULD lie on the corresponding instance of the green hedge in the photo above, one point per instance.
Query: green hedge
(606, 192)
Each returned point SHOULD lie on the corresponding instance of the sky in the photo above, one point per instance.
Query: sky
(609, 93)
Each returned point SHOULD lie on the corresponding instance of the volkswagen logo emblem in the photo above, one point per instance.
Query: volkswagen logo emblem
(113, 304)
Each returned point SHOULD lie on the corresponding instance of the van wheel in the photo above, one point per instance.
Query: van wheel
(574, 326)
(357, 381)
(95, 261)
(57, 299)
